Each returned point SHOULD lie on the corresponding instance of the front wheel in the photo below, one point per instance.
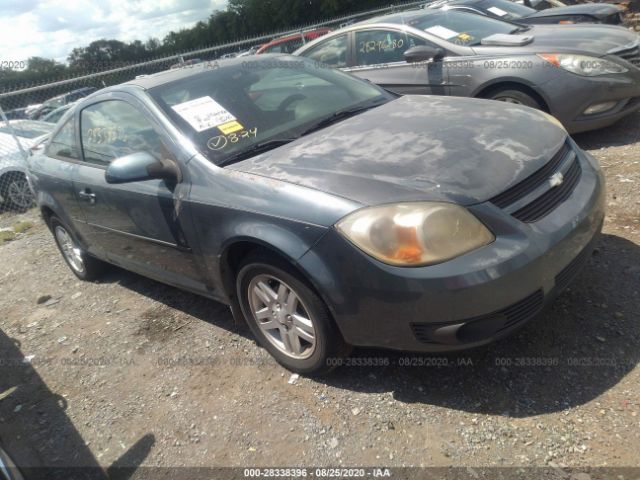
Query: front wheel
(517, 97)
(83, 265)
(287, 317)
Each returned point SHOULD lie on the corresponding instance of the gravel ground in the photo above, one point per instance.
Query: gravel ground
(130, 372)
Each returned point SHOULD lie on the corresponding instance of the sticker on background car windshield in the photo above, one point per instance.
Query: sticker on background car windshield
(204, 113)
(442, 32)
(497, 11)
(230, 127)
(465, 37)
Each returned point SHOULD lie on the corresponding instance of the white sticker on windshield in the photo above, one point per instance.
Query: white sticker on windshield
(442, 32)
(497, 11)
(204, 113)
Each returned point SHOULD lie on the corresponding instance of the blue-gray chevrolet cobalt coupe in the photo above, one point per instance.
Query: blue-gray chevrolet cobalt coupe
(325, 211)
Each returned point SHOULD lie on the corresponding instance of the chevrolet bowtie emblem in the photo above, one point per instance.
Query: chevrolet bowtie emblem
(556, 180)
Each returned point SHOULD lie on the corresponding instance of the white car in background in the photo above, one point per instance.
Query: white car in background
(15, 192)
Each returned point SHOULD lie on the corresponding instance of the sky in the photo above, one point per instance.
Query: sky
(52, 28)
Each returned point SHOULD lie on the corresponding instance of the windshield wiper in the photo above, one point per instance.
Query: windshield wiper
(278, 142)
(520, 30)
(337, 116)
(256, 149)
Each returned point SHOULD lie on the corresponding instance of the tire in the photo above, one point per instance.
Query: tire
(319, 346)
(514, 96)
(16, 192)
(83, 265)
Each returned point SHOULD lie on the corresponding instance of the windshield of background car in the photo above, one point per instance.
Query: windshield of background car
(55, 102)
(27, 129)
(230, 109)
(506, 9)
(459, 28)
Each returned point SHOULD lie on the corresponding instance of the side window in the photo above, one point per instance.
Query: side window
(375, 47)
(113, 129)
(275, 49)
(332, 52)
(292, 45)
(64, 145)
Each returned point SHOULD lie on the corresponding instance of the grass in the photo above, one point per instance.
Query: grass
(22, 227)
(7, 236)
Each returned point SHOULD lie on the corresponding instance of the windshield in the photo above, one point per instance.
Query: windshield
(246, 105)
(544, 4)
(506, 9)
(458, 27)
(55, 102)
(27, 129)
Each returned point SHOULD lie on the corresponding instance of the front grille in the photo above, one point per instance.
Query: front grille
(485, 326)
(631, 55)
(524, 309)
(568, 273)
(528, 185)
(544, 204)
(547, 202)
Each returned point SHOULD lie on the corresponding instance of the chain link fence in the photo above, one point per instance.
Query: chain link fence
(29, 115)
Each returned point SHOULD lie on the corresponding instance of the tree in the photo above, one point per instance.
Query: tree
(241, 19)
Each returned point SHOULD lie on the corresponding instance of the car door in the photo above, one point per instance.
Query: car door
(379, 57)
(53, 172)
(138, 225)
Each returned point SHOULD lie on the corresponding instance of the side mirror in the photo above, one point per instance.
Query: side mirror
(423, 53)
(141, 166)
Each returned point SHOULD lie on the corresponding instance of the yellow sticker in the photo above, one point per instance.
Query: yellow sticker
(465, 37)
(230, 127)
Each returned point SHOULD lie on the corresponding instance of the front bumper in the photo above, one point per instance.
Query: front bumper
(569, 96)
(468, 301)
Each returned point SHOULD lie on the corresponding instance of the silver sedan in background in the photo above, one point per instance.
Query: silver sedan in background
(587, 76)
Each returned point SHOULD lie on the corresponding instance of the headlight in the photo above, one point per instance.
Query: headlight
(582, 64)
(415, 234)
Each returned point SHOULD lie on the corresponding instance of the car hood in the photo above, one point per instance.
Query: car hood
(587, 38)
(418, 148)
(599, 10)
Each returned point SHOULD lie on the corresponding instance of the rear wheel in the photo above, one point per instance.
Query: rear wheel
(287, 317)
(16, 191)
(517, 97)
(83, 265)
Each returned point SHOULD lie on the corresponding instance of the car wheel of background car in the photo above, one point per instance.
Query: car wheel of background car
(16, 191)
(287, 317)
(515, 96)
(84, 266)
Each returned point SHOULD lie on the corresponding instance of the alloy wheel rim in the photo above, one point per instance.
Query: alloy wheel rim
(20, 194)
(510, 100)
(282, 316)
(69, 249)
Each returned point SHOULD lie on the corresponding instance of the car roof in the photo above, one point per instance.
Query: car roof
(168, 76)
(22, 125)
(442, 3)
(295, 36)
(401, 18)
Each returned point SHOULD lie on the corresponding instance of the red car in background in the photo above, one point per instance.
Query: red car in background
(291, 43)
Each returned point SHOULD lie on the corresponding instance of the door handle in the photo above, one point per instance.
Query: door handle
(88, 196)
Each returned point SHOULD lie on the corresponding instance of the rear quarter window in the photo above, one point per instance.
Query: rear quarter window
(63, 144)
